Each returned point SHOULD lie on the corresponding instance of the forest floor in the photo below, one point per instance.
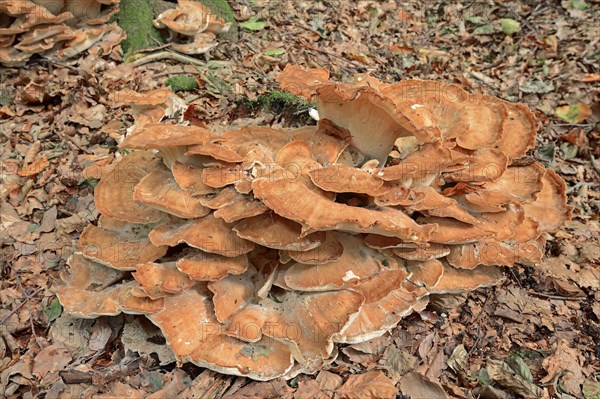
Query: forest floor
(535, 336)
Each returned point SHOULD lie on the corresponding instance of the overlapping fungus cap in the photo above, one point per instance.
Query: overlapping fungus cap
(56, 29)
(195, 23)
(257, 251)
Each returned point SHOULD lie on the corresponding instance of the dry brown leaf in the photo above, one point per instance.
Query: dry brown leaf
(5, 112)
(561, 267)
(140, 336)
(48, 222)
(52, 358)
(100, 335)
(501, 372)
(121, 390)
(575, 113)
(568, 360)
(328, 382)
(415, 385)
(371, 385)
(34, 168)
(537, 310)
(458, 359)
(179, 381)
(567, 289)
(17, 374)
(397, 362)
(591, 77)
(308, 388)
(276, 389)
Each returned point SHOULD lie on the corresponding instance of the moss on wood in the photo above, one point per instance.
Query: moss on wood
(135, 18)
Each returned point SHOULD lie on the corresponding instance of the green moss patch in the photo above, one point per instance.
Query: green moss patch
(182, 83)
(135, 18)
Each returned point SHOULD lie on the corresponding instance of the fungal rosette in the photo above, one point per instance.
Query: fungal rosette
(56, 29)
(257, 251)
(192, 27)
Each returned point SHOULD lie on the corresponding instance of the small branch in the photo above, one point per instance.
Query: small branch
(559, 297)
(573, 124)
(15, 310)
(150, 49)
(49, 61)
(478, 321)
(168, 55)
(490, 66)
(163, 74)
(483, 79)
(31, 325)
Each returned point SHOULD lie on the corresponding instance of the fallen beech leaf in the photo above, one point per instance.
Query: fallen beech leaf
(520, 367)
(568, 151)
(488, 391)
(591, 77)
(48, 222)
(100, 335)
(371, 385)
(568, 362)
(180, 380)
(120, 390)
(576, 137)
(551, 42)
(575, 113)
(34, 168)
(547, 152)
(5, 112)
(397, 362)
(567, 289)
(487, 29)
(53, 310)
(142, 336)
(275, 52)
(458, 359)
(263, 389)
(253, 24)
(328, 381)
(415, 386)
(505, 376)
(562, 268)
(309, 388)
(52, 358)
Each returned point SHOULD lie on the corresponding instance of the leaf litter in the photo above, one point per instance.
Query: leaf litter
(538, 335)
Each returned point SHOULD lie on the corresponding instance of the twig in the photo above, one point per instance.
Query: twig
(515, 276)
(192, 99)
(559, 297)
(27, 298)
(356, 64)
(167, 55)
(149, 49)
(477, 320)
(163, 74)
(490, 66)
(573, 124)
(49, 61)
(483, 79)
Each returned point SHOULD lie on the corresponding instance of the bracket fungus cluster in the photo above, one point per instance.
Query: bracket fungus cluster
(56, 29)
(257, 251)
(192, 26)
